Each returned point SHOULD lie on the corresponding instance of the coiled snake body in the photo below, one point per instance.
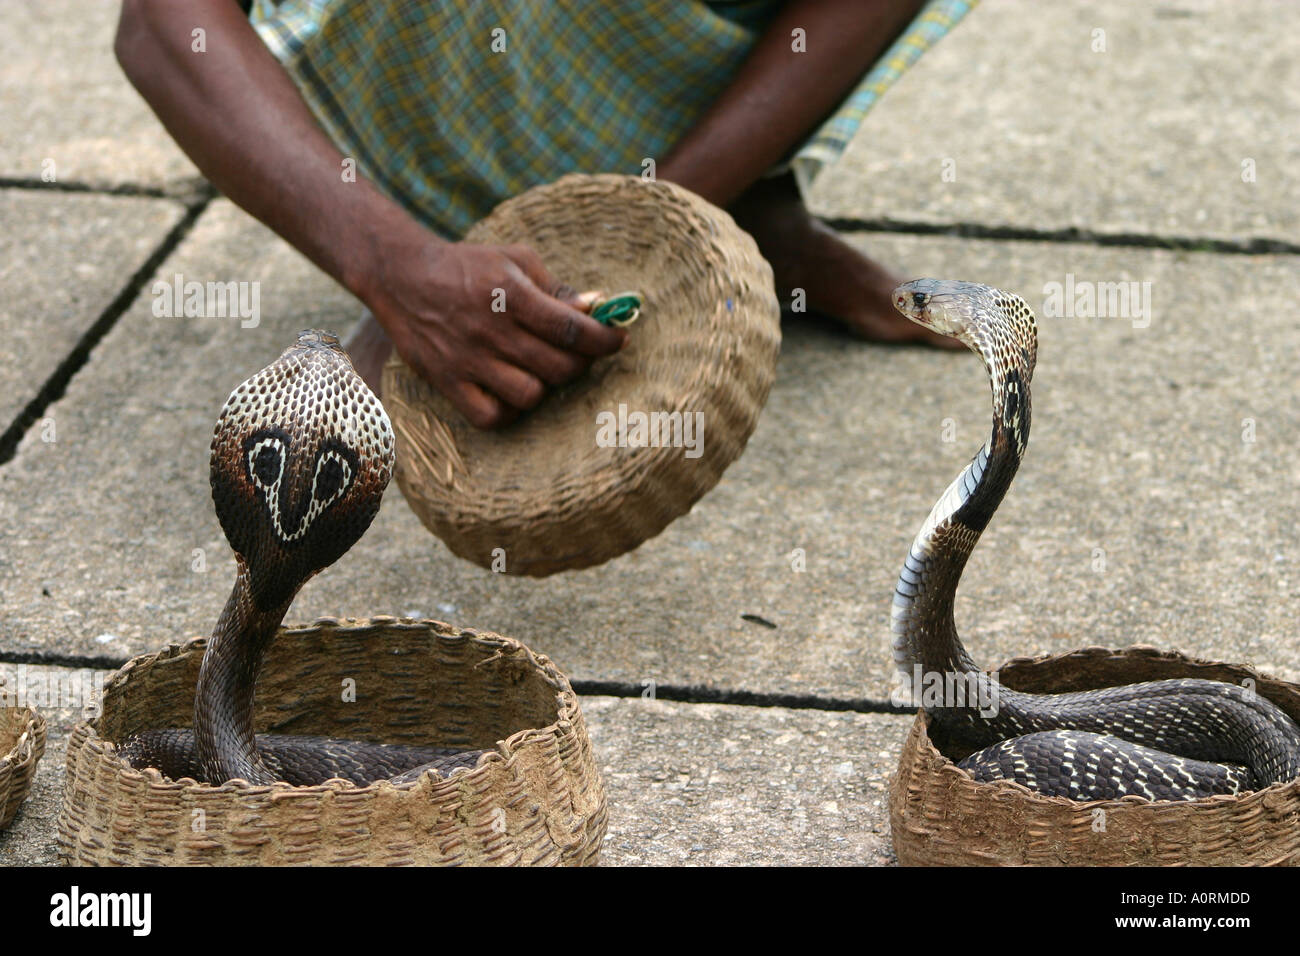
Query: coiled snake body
(301, 455)
(1163, 740)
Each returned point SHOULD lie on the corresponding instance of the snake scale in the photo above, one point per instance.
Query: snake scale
(301, 455)
(1162, 740)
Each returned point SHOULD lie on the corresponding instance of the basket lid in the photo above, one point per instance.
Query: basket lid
(611, 459)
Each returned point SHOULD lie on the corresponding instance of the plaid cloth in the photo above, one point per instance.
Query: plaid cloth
(450, 118)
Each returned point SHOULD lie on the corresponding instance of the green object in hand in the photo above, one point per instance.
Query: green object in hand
(618, 310)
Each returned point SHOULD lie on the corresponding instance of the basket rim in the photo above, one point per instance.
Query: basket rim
(28, 740)
(473, 491)
(567, 706)
(1009, 789)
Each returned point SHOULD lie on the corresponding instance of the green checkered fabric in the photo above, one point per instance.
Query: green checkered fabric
(453, 106)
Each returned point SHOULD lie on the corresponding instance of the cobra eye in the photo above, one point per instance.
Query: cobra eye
(266, 462)
(330, 479)
(267, 465)
(332, 476)
(919, 299)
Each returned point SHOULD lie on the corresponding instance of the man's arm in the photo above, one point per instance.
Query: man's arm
(237, 114)
(779, 96)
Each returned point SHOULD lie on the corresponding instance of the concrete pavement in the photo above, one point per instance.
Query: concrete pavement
(1156, 504)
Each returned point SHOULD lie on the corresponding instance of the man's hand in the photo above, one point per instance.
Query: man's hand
(488, 326)
(238, 115)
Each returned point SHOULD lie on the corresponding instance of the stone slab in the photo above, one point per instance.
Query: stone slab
(1042, 131)
(715, 785)
(63, 258)
(66, 109)
(1137, 451)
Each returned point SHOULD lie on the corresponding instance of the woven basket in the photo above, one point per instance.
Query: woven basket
(536, 798)
(942, 817)
(543, 491)
(22, 744)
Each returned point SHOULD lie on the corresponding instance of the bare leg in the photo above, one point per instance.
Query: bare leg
(837, 279)
(774, 102)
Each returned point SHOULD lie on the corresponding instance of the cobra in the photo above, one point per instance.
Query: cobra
(1162, 740)
(301, 455)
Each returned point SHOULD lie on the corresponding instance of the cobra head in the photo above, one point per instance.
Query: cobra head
(999, 325)
(301, 456)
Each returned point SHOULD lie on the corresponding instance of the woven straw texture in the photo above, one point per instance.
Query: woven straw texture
(544, 490)
(22, 744)
(535, 799)
(941, 817)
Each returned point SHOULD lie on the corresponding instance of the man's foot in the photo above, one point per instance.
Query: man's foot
(837, 279)
(368, 346)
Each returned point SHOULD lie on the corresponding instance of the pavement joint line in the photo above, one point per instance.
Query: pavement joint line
(682, 694)
(687, 694)
(188, 192)
(1254, 246)
(71, 661)
(57, 384)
